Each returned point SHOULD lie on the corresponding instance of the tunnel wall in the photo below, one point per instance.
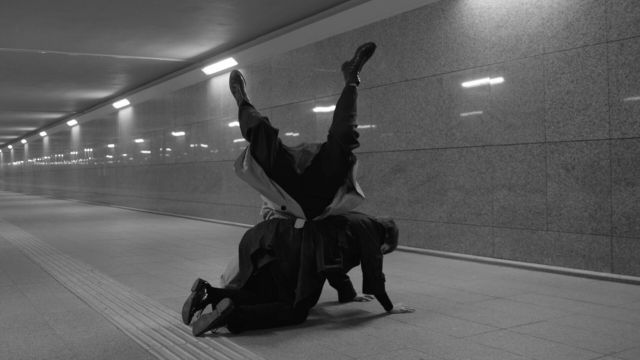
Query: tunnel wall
(543, 167)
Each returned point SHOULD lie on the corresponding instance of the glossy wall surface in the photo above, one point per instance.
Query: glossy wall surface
(543, 166)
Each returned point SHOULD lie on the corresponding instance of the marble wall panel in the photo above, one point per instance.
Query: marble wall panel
(467, 239)
(478, 33)
(516, 107)
(520, 187)
(625, 183)
(624, 83)
(623, 19)
(384, 179)
(576, 94)
(578, 251)
(296, 123)
(626, 252)
(579, 187)
(570, 24)
(406, 115)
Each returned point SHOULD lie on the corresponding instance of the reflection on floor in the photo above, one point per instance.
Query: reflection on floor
(465, 310)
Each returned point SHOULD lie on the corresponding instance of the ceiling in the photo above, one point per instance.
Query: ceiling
(60, 58)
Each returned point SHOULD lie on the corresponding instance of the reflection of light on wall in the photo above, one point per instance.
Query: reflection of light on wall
(324, 109)
(178, 133)
(238, 140)
(43, 133)
(366, 126)
(632, 98)
(219, 66)
(121, 103)
(471, 113)
(138, 141)
(482, 82)
(72, 122)
(292, 134)
(234, 124)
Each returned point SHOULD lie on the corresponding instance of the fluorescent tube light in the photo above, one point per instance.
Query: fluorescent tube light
(482, 82)
(111, 146)
(24, 141)
(471, 113)
(292, 134)
(43, 133)
(178, 133)
(10, 147)
(234, 124)
(145, 151)
(366, 127)
(72, 122)
(632, 98)
(138, 141)
(324, 109)
(121, 103)
(219, 66)
(239, 140)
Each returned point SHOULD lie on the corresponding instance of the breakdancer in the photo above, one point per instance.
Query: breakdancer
(310, 234)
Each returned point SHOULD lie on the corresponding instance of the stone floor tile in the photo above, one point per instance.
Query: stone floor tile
(533, 347)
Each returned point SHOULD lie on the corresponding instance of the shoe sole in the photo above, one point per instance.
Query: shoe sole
(187, 314)
(214, 319)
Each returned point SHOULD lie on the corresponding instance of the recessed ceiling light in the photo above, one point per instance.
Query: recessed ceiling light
(121, 103)
(483, 81)
(324, 109)
(219, 66)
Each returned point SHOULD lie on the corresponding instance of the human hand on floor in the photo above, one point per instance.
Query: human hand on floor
(400, 308)
(363, 298)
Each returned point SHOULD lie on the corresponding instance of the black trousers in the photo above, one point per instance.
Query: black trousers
(314, 187)
(264, 303)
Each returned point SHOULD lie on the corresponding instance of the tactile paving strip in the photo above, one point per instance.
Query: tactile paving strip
(155, 327)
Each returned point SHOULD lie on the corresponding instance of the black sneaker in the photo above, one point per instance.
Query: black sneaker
(351, 69)
(196, 301)
(215, 319)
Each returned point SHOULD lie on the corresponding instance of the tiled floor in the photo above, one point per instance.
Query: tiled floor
(465, 310)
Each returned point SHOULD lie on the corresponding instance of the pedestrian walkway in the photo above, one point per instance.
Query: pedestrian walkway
(80, 281)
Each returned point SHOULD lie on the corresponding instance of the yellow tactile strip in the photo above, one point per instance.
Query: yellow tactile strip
(155, 327)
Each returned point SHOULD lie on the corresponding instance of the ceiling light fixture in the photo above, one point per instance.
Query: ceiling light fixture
(72, 122)
(219, 66)
(43, 133)
(138, 141)
(24, 141)
(483, 81)
(324, 109)
(121, 103)
(178, 133)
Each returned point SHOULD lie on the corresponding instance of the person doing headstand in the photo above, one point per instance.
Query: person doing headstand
(310, 233)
